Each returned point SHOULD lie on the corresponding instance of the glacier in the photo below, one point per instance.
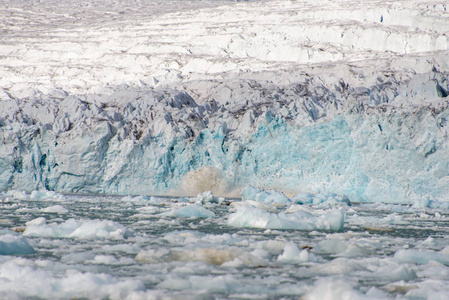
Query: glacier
(352, 104)
(384, 142)
(202, 149)
(349, 105)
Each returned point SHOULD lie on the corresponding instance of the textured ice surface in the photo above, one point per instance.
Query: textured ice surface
(304, 97)
(267, 197)
(14, 244)
(251, 216)
(83, 229)
(190, 211)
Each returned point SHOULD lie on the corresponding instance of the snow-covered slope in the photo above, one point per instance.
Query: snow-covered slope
(152, 97)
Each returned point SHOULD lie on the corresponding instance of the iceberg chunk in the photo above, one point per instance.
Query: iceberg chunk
(335, 288)
(82, 229)
(205, 198)
(13, 244)
(190, 211)
(292, 254)
(58, 209)
(421, 257)
(250, 216)
(267, 197)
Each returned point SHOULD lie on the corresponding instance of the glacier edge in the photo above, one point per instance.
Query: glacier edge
(382, 141)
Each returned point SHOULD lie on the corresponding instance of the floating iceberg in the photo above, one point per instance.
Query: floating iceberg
(82, 229)
(57, 209)
(190, 211)
(422, 257)
(268, 197)
(14, 244)
(251, 216)
(292, 254)
(336, 289)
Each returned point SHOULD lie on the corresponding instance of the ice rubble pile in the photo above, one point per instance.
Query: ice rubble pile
(244, 111)
(279, 213)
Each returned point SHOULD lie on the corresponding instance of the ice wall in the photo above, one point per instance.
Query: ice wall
(381, 142)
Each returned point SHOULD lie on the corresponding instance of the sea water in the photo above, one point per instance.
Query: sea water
(105, 247)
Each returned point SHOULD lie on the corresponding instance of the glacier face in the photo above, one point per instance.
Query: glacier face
(224, 106)
(308, 136)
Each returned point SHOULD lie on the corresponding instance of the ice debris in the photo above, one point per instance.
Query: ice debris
(251, 216)
(227, 256)
(272, 197)
(329, 198)
(190, 211)
(14, 244)
(72, 284)
(292, 254)
(35, 195)
(82, 229)
(421, 257)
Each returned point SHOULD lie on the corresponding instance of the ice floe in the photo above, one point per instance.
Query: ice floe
(250, 216)
(14, 244)
(82, 229)
(190, 211)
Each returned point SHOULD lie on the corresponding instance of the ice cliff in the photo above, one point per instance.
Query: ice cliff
(219, 111)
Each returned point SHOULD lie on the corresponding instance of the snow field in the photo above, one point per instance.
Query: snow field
(80, 49)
